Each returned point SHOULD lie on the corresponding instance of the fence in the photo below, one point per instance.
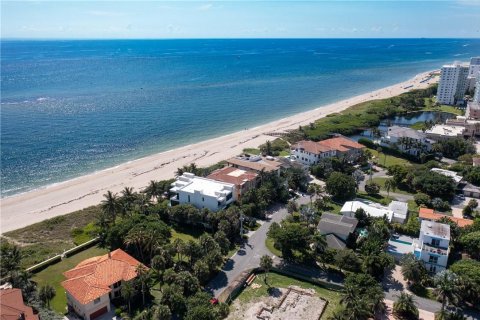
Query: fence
(44, 264)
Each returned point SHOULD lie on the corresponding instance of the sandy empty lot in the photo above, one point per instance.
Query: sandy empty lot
(291, 303)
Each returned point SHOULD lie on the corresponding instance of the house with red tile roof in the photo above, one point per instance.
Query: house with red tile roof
(242, 179)
(12, 306)
(311, 152)
(94, 282)
(430, 215)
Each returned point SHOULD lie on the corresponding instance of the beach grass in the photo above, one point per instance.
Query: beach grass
(51, 237)
(276, 280)
(253, 151)
(53, 275)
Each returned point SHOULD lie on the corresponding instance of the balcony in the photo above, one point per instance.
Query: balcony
(435, 250)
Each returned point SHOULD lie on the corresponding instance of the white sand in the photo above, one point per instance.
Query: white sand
(24, 209)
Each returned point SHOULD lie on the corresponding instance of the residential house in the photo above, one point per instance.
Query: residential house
(451, 174)
(337, 229)
(202, 192)
(256, 164)
(243, 180)
(445, 131)
(311, 152)
(344, 147)
(426, 214)
(407, 140)
(12, 306)
(94, 282)
(395, 212)
(432, 247)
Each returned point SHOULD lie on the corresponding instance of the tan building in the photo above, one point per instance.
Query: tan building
(242, 179)
(94, 282)
(255, 164)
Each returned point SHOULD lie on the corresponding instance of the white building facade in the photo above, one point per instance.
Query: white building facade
(202, 192)
(453, 84)
(407, 140)
(311, 152)
(432, 247)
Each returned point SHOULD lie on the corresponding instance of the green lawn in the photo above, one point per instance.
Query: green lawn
(443, 108)
(269, 243)
(375, 198)
(280, 281)
(284, 153)
(381, 182)
(185, 233)
(53, 275)
(389, 160)
(418, 125)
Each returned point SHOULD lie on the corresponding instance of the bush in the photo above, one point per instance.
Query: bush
(372, 188)
(422, 199)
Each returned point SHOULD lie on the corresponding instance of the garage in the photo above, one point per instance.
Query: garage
(98, 313)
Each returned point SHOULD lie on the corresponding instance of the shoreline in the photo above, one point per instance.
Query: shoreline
(60, 198)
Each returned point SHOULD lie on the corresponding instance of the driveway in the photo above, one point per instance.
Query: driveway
(248, 256)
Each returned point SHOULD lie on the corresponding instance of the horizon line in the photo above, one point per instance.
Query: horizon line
(236, 38)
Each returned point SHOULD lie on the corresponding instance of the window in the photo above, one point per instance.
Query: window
(435, 242)
(203, 199)
(96, 301)
(433, 259)
(433, 269)
(188, 198)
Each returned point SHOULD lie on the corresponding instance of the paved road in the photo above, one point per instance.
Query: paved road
(248, 256)
(393, 286)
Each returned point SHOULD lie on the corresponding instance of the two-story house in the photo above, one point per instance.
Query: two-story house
(432, 247)
(202, 192)
(242, 179)
(94, 282)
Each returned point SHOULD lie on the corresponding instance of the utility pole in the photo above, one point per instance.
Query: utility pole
(242, 218)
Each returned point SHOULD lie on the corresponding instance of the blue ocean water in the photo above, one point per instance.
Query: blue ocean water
(74, 107)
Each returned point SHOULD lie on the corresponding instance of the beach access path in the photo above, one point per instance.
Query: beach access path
(31, 207)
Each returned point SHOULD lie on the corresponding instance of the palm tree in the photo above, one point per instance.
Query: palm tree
(137, 238)
(46, 294)
(111, 205)
(266, 264)
(161, 312)
(446, 287)
(144, 278)
(127, 291)
(311, 190)
(143, 203)
(153, 190)
(412, 270)
(405, 307)
(390, 184)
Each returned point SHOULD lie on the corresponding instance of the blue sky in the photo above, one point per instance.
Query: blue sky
(243, 19)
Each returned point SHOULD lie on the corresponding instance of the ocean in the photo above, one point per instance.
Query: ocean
(69, 108)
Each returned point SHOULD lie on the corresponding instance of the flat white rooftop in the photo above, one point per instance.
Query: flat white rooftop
(446, 130)
(452, 174)
(371, 208)
(435, 229)
(190, 183)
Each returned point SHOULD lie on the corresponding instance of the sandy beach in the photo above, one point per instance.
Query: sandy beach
(24, 209)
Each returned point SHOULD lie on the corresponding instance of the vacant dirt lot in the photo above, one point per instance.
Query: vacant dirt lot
(291, 303)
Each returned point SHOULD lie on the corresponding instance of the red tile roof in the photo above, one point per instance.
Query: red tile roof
(233, 175)
(12, 306)
(312, 147)
(91, 278)
(341, 144)
(430, 214)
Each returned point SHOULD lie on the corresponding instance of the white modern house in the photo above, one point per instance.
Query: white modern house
(395, 212)
(432, 247)
(453, 83)
(445, 131)
(202, 192)
(407, 140)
